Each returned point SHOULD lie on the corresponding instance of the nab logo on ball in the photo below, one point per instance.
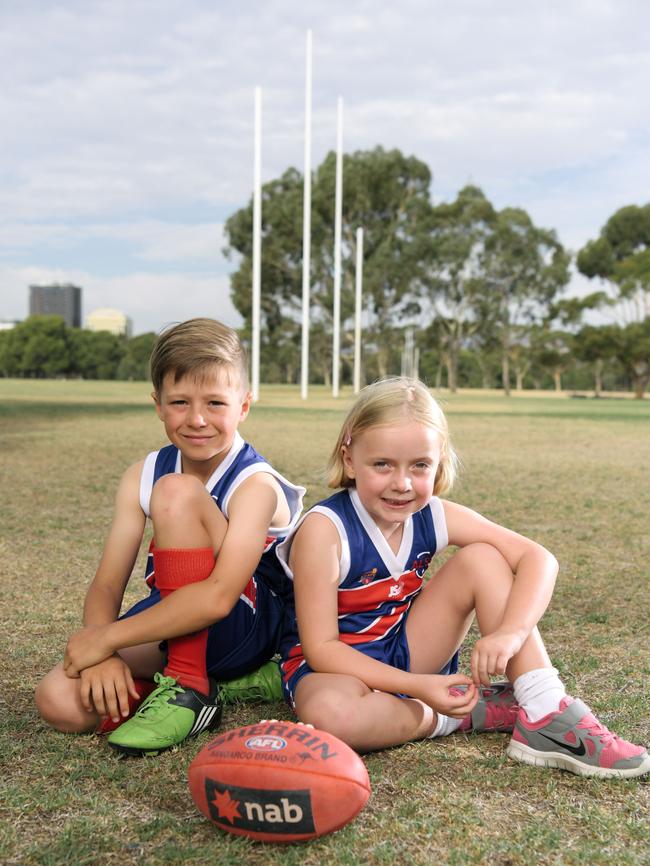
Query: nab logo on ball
(281, 811)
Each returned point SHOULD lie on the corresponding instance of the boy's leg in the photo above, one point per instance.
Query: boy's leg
(364, 719)
(188, 530)
(58, 697)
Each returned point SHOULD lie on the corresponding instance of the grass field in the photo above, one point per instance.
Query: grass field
(571, 473)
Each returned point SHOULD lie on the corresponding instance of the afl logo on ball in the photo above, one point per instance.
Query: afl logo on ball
(266, 744)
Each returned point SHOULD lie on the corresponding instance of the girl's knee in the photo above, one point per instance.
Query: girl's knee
(483, 559)
(331, 711)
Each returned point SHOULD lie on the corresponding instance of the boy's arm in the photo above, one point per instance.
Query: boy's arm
(534, 569)
(197, 605)
(105, 686)
(105, 593)
(315, 564)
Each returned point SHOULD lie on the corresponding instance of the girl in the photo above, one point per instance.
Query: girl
(376, 660)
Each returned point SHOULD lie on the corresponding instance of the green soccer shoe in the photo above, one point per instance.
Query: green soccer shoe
(170, 715)
(264, 684)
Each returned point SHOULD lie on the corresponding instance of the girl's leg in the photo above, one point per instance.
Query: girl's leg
(58, 698)
(362, 718)
(477, 579)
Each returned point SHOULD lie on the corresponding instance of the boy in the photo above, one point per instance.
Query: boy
(217, 588)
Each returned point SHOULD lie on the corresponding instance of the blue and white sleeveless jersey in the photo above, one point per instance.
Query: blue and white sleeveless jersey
(240, 463)
(376, 586)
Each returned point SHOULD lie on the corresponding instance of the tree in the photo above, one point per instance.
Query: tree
(595, 346)
(526, 267)
(135, 362)
(96, 354)
(552, 351)
(384, 192)
(633, 351)
(621, 257)
(39, 347)
(453, 269)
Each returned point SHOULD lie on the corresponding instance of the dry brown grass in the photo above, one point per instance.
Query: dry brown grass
(573, 474)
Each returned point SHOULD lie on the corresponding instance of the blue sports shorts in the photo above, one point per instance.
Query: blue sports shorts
(242, 641)
(393, 650)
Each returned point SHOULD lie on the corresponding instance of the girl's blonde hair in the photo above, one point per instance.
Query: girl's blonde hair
(389, 401)
(191, 348)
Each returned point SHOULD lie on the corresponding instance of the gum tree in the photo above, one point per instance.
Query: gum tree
(620, 257)
(525, 268)
(387, 194)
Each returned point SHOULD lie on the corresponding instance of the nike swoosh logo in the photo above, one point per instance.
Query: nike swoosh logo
(577, 750)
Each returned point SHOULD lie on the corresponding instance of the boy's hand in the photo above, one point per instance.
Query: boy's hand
(492, 653)
(433, 689)
(105, 688)
(85, 648)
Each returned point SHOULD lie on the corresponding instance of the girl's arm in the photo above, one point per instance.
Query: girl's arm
(314, 560)
(534, 569)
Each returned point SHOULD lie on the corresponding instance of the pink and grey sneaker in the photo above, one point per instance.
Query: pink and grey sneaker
(496, 709)
(573, 739)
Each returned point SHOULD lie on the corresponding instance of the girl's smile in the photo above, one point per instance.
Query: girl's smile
(394, 469)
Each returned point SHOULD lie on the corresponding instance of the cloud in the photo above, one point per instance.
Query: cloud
(129, 126)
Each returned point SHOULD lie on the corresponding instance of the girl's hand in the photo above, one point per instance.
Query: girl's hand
(86, 648)
(492, 653)
(105, 688)
(434, 690)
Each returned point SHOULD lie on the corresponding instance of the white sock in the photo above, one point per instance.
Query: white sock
(539, 692)
(445, 725)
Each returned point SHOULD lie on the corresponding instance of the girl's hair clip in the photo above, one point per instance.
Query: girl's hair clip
(347, 440)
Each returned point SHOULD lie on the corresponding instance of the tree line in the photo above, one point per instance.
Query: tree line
(479, 292)
(483, 290)
(43, 347)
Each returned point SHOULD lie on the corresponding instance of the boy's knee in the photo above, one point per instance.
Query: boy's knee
(56, 706)
(173, 494)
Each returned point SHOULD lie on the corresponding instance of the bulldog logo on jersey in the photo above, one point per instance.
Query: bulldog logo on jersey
(268, 811)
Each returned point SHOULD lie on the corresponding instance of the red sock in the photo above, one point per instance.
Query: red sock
(174, 568)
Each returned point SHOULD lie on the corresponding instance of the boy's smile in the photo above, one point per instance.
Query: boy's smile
(201, 416)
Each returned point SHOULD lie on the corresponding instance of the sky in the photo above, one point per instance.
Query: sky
(127, 127)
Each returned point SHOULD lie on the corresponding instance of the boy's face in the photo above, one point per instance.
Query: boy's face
(201, 416)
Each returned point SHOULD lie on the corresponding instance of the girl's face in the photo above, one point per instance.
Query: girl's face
(394, 469)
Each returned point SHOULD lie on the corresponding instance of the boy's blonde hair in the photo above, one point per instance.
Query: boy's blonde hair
(389, 401)
(191, 347)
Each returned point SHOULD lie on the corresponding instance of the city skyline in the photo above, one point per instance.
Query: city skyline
(128, 134)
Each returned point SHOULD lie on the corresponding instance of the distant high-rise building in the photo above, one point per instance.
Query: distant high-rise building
(105, 319)
(57, 299)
